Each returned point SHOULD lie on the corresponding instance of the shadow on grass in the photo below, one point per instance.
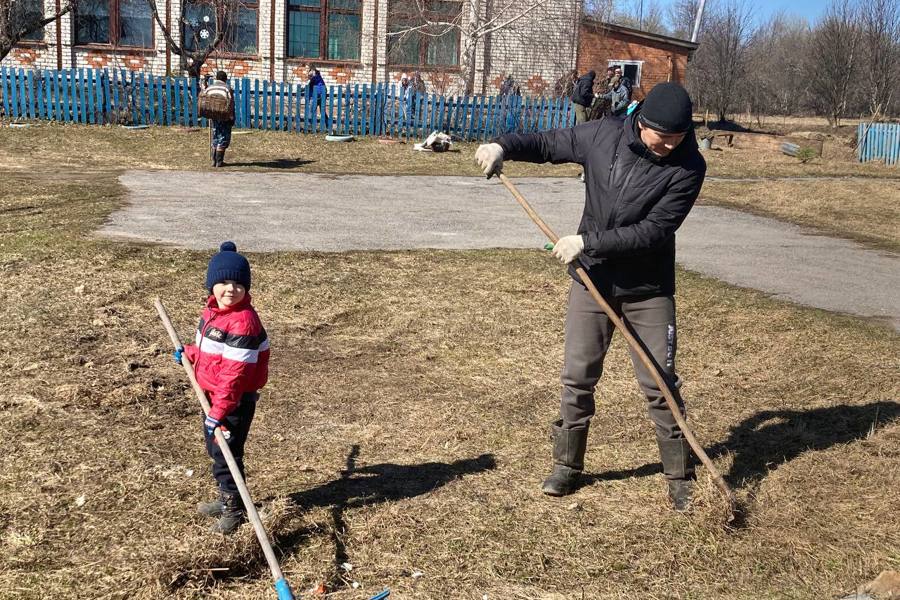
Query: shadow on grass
(356, 487)
(373, 484)
(278, 163)
(770, 438)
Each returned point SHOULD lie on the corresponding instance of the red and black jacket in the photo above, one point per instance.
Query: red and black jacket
(230, 355)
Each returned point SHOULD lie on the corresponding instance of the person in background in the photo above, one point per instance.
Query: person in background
(221, 130)
(583, 96)
(315, 89)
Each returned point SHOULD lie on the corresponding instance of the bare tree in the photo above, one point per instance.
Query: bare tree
(832, 57)
(775, 82)
(602, 10)
(21, 18)
(720, 63)
(420, 30)
(646, 15)
(881, 34)
(203, 28)
(682, 14)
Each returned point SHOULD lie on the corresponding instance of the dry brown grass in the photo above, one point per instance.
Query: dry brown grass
(93, 147)
(404, 429)
(867, 210)
(80, 146)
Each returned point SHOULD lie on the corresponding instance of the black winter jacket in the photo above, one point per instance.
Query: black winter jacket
(634, 201)
(583, 93)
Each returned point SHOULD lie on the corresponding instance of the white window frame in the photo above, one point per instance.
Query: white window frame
(638, 63)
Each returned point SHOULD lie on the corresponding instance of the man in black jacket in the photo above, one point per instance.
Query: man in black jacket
(583, 96)
(642, 177)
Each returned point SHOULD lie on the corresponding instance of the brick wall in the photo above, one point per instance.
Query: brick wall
(537, 51)
(660, 61)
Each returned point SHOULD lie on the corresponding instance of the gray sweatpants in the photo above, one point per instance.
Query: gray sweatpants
(588, 335)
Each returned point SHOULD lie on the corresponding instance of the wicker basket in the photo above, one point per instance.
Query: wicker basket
(216, 103)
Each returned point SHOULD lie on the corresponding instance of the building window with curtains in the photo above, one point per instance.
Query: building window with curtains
(240, 23)
(34, 9)
(413, 43)
(127, 23)
(324, 29)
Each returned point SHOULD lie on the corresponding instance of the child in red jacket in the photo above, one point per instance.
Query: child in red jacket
(231, 361)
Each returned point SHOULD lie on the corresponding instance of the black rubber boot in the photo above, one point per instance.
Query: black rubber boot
(212, 509)
(233, 514)
(678, 467)
(569, 446)
(220, 158)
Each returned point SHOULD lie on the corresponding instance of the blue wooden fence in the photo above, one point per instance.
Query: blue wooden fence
(94, 96)
(879, 141)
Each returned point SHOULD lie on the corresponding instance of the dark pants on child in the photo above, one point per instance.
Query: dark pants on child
(238, 424)
(588, 335)
(221, 137)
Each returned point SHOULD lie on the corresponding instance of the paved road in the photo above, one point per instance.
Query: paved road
(293, 211)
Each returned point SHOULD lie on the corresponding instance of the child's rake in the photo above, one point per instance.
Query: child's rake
(281, 584)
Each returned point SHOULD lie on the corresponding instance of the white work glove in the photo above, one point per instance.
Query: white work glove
(568, 248)
(490, 158)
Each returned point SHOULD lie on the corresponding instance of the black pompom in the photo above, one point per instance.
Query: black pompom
(228, 247)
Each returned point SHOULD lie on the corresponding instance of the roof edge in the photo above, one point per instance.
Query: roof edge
(656, 37)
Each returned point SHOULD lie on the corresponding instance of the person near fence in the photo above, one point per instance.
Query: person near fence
(619, 95)
(315, 92)
(643, 175)
(583, 96)
(601, 105)
(406, 98)
(231, 361)
(221, 129)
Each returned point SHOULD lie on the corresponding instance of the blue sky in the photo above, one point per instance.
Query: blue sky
(810, 10)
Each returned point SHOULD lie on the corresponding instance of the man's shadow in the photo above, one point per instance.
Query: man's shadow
(278, 163)
(771, 438)
(365, 486)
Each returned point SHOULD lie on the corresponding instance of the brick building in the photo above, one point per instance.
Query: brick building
(354, 41)
(646, 58)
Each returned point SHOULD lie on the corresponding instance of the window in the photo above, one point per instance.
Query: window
(433, 45)
(630, 69)
(34, 10)
(240, 24)
(114, 22)
(324, 29)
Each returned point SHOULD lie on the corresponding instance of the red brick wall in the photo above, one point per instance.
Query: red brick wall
(662, 62)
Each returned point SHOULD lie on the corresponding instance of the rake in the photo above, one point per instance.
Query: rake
(639, 350)
(281, 584)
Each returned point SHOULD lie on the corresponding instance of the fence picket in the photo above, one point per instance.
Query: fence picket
(91, 92)
(90, 97)
(29, 81)
(96, 89)
(4, 94)
(14, 95)
(82, 97)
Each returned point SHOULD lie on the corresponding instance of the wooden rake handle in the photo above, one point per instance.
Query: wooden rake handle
(635, 345)
(281, 584)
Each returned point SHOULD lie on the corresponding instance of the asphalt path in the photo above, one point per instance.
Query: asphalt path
(335, 213)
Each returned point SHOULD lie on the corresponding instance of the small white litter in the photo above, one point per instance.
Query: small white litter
(436, 142)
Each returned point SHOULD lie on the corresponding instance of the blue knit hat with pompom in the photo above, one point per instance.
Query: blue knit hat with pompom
(228, 265)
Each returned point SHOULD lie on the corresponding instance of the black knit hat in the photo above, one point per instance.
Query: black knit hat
(228, 265)
(667, 109)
